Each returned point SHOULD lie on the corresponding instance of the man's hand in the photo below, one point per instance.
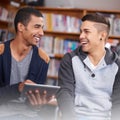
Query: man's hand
(21, 85)
(37, 98)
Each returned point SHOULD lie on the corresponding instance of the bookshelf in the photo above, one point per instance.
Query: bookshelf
(66, 35)
(3, 19)
(73, 36)
(7, 12)
(3, 24)
(74, 12)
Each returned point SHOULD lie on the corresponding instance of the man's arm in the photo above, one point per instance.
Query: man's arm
(66, 80)
(116, 97)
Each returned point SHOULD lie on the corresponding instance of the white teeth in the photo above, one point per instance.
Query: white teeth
(37, 38)
(83, 42)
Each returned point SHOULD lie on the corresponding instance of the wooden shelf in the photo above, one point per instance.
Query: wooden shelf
(102, 11)
(58, 56)
(52, 77)
(61, 10)
(3, 24)
(4, 2)
(114, 37)
(74, 36)
(77, 12)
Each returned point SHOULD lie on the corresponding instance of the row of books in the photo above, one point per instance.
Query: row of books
(3, 35)
(114, 23)
(3, 14)
(53, 67)
(116, 29)
(62, 23)
(56, 45)
(6, 35)
(65, 23)
(6, 15)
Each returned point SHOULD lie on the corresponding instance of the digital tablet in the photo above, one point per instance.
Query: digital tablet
(50, 89)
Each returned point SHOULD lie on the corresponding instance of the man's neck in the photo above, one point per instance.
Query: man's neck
(19, 50)
(96, 57)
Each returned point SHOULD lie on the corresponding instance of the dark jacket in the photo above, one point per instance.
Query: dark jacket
(37, 70)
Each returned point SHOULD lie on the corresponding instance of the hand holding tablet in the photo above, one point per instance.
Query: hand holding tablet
(39, 92)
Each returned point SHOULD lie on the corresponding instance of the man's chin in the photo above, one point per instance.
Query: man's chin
(84, 49)
(36, 44)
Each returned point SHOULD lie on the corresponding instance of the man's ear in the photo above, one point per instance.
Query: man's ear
(20, 27)
(103, 36)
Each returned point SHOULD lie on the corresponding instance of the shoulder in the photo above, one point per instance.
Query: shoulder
(66, 60)
(118, 60)
(2, 46)
(70, 55)
(43, 55)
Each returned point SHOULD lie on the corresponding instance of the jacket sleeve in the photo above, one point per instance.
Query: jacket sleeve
(116, 97)
(66, 80)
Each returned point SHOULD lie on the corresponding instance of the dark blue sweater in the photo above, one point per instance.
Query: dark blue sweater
(37, 72)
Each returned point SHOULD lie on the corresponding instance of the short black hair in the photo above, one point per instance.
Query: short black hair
(23, 15)
(96, 17)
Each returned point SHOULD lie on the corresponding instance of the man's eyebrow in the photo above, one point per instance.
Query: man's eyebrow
(85, 29)
(38, 25)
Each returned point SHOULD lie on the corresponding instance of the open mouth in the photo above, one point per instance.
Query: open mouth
(83, 43)
(37, 39)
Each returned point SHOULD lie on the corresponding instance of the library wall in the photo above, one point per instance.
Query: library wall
(58, 23)
(62, 30)
(92, 4)
(6, 23)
